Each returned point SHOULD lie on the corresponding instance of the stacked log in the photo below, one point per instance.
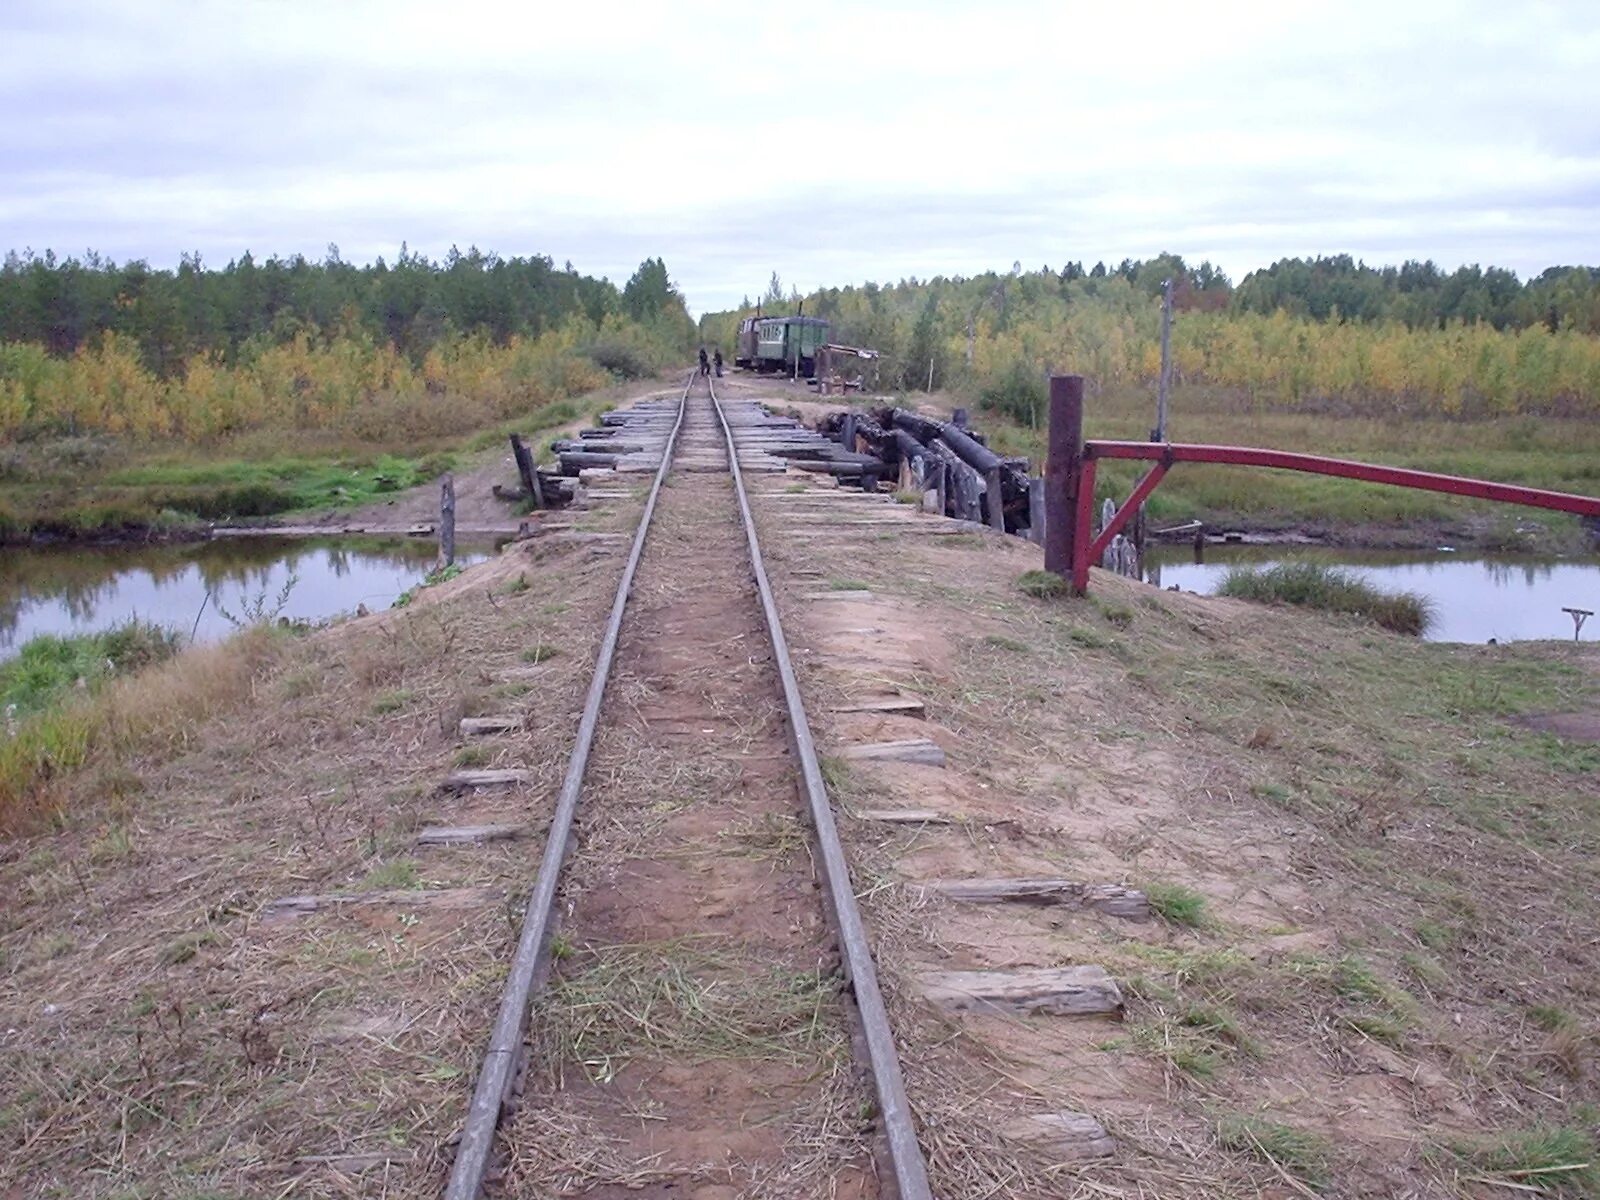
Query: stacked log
(948, 462)
(631, 439)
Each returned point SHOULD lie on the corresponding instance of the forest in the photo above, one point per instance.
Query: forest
(89, 346)
(1326, 334)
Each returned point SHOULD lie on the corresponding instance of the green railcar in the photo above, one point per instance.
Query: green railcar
(786, 344)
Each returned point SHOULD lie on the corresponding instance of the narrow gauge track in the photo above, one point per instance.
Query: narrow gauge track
(692, 764)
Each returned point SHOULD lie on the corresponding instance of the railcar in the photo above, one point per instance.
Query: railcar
(788, 344)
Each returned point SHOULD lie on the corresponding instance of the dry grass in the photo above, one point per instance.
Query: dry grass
(153, 712)
(166, 1040)
(1376, 851)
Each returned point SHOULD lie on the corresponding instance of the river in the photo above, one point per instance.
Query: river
(207, 587)
(1475, 597)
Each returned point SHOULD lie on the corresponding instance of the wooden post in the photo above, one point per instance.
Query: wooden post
(1063, 464)
(997, 512)
(528, 471)
(1036, 510)
(447, 520)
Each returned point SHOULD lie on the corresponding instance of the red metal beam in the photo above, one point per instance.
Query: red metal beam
(1317, 464)
(1130, 506)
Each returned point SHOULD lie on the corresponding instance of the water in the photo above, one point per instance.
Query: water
(82, 589)
(1475, 597)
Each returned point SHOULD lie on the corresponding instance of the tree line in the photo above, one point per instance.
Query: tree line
(1330, 332)
(225, 315)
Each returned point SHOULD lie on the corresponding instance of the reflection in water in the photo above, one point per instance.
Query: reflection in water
(78, 589)
(1474, 598)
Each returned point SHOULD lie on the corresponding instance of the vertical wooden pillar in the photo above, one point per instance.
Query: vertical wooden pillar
(528, 470)
(1063, 464)
(1036, 510)
(447, 520)
(991, 486)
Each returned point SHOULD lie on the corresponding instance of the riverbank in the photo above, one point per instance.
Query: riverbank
(105, 490)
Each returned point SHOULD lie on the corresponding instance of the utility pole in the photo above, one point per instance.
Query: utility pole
(1164, 391)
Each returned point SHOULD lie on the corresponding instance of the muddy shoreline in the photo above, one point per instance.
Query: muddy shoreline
(1575, 540)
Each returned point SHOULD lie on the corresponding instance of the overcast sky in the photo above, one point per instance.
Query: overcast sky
(832, 143)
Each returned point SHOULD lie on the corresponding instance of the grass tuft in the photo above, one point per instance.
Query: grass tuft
(1042, 585)
(1559, 1158)
(1304, 1155)
(1331, 589)
(1177, 904)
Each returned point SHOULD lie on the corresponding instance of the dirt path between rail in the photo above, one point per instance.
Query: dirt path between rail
(691, 1043)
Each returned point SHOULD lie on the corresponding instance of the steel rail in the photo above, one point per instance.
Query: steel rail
(476, 1146)
(905, 1153)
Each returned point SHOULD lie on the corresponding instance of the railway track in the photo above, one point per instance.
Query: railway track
(693, 996)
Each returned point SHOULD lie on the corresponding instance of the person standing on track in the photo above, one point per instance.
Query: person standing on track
(705, 367)
(716, 359)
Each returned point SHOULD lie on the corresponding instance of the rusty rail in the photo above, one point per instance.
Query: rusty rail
(531, 958)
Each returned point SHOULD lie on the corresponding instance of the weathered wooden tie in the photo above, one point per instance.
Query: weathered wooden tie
(909, 706)
(904, 816)
(489, 777)
(1110, 898)
(469, 835)
(912, 750)
(439, 898)
(481, 726)
(1069, 1136)
(1078, 991)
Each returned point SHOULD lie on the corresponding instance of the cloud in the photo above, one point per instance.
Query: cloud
(851, 142)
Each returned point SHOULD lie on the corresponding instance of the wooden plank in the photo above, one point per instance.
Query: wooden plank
(1078, 991)
(460, 781)
(911, 750)
(480, 726)
(439, 898)
(910, 706)
(904, 816)
(1110, 898)
(840, 594)
(1068, 1136)
(469, 835)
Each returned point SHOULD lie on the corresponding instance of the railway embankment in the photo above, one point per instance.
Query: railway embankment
(1171, 895)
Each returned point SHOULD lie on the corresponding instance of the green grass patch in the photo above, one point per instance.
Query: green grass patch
(400, 874)
(848, 585)
(1546, 1158)
(1302, 1154)
(1043, 585)
(540, 652)
(47, 668)
(1177, 904)
(1001, 642)
(1330, 589)
(392, 700)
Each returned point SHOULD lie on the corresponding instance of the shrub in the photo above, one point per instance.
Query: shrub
(619, 358)
(1017, 392)
(1314, 585)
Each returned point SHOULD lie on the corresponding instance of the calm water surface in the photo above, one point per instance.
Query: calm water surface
(69, 590)
(1475, 597)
